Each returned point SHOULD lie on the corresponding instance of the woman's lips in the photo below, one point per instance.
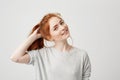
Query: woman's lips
(65, 31)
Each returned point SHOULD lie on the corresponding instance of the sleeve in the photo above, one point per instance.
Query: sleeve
(32, 55)
(86, 67)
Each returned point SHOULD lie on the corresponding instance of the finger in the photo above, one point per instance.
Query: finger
(37, 29)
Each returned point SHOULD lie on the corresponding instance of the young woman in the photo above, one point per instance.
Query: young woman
(59, 62)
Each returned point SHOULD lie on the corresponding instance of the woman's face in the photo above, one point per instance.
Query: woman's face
(58, 29)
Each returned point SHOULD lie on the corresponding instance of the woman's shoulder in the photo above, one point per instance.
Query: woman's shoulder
(44, 49)
(80, 51)
(38, 50)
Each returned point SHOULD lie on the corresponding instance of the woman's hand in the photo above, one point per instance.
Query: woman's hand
(35, 34)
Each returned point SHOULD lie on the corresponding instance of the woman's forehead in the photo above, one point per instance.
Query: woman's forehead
(53, 21)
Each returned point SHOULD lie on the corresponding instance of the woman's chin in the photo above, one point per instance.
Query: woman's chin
(66, 36)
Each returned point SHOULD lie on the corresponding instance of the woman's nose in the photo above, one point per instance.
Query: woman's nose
(62, 27)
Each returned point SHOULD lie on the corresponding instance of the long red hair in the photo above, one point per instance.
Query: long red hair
(44, 31)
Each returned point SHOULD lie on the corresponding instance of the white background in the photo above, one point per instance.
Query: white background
(94, 26)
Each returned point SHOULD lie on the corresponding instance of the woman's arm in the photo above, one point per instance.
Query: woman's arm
(20, 55)
(86, 67)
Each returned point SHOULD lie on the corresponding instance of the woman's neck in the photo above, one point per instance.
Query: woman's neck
(62, 46)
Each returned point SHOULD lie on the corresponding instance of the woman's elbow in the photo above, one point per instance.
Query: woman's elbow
(14, 59)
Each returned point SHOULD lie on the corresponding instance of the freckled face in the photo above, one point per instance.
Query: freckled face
(58, 29)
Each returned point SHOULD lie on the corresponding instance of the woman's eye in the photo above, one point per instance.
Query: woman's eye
(62, 22)
(55, 28)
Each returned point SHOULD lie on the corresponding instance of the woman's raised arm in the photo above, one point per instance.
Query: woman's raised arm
(19, 54)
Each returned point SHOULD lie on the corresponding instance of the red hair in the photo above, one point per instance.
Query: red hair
(44, 31)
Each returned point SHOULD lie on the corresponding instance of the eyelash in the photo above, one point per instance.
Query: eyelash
(55, 28)
(62, 22)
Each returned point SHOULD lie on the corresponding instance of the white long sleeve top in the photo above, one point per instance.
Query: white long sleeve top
(51, 64)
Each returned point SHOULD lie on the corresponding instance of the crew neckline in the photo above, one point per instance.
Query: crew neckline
(63, 53)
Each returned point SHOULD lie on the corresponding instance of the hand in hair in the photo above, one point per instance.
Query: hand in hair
(35, 34)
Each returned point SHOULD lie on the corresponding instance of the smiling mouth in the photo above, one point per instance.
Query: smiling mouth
(65, 31)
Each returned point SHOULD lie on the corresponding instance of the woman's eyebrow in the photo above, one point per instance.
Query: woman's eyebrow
(57, 23)
(55, 26)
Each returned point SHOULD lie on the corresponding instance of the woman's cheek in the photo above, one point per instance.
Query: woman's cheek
(57, 37)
